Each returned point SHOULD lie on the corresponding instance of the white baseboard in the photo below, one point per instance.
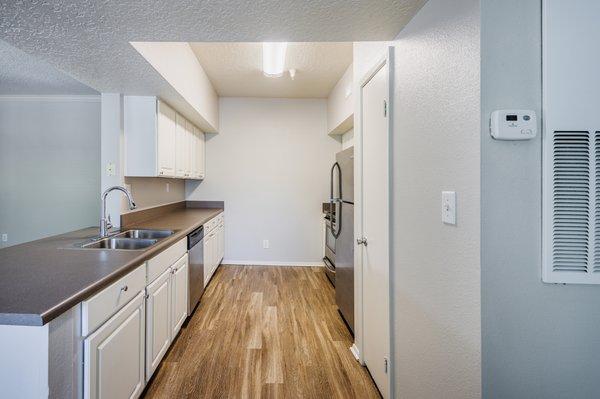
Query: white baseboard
(355, 352)
(269, 263)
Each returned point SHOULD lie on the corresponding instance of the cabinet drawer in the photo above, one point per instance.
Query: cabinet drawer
(208, 226)
(103, 305)
(212, 223)
(162, 261)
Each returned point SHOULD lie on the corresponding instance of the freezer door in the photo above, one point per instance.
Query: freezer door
(344, 265)
(346, 161)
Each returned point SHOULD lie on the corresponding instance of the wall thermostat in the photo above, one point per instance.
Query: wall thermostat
(513, 124)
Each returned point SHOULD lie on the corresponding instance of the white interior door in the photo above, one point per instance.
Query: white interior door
(375, 214)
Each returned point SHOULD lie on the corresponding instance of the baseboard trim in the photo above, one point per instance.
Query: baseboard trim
(355, 352)
(269, 263)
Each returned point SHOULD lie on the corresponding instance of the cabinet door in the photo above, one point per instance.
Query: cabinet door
(179, 294)
(193, 152)
(214, 251)
(187, 154)
(221, 242)
(201, 154)
(158, 323)
(114, 355)
(166, 131)
(207, 259)
(180, 146)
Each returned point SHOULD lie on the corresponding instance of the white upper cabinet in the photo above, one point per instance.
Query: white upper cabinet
(200, 155)
(190, 150)
(181, 145)
(340, 105)
(166, 139)
(159, 142)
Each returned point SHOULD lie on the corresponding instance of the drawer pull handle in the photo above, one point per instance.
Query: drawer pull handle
(124, 288)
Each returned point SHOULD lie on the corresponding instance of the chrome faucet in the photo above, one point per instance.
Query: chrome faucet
(105, 223)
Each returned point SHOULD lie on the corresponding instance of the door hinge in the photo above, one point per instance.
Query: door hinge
(384, 108)
(385, 364)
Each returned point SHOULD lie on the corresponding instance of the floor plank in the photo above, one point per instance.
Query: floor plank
(263, 332)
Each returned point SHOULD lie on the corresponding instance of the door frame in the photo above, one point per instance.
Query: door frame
(358, 346)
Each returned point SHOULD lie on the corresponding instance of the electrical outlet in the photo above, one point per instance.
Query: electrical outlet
(265, 244)
(4, 237)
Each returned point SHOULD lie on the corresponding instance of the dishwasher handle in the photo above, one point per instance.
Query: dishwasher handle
(195, 237)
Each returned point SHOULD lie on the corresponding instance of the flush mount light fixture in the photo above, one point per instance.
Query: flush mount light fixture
(274, 59)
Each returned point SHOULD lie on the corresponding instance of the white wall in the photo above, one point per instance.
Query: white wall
(179, 66)
(270, 164)
(436, 147)
(49, 165)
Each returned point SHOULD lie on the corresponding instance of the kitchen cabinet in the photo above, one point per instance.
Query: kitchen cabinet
(166, 131)
(181, 145)
(208, 257)
(158, 324)
(340, 105)
(179, 294)
(166, 304)
(159, 141)
(114, 355)
(214, 245)
(200, 154)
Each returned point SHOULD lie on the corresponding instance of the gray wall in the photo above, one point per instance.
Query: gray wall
(270, 164)
(436, 147)
(49, 165)
(538, 340)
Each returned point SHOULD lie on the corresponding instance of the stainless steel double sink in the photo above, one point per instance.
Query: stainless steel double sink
(129, 240)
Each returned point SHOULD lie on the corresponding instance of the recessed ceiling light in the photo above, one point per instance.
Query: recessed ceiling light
(274, 59)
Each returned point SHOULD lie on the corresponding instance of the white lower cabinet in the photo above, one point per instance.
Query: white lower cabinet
(114, 355)
(214, 246)
(158, 330)
(166, 310)
(179, 294)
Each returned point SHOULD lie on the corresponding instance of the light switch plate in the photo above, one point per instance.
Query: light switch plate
(449, 207)
(111, 169)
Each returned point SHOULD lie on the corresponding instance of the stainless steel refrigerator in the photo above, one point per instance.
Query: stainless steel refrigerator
(342, 217)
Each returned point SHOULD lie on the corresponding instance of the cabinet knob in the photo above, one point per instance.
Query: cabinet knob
(124, 288)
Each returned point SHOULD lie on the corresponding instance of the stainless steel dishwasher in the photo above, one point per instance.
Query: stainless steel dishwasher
(196, 267)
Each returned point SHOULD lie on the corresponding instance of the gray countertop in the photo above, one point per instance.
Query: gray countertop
(42, 279)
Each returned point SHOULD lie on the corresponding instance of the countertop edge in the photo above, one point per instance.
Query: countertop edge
(62, 307)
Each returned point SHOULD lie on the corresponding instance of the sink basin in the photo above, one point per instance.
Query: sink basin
(121, 243)
(146, 234)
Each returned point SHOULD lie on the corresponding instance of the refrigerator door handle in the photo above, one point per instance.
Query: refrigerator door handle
(336, 227)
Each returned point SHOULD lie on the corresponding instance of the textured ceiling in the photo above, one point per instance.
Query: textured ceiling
(89, 39)
(235, 69)
(21, 73)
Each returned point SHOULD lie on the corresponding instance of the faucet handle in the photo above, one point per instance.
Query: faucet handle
(109, 224)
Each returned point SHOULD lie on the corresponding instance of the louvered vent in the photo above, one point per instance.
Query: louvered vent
(596, 268)
(570, 142)
(571, 202)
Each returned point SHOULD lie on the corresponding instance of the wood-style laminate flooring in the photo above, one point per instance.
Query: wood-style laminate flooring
(263, 332)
